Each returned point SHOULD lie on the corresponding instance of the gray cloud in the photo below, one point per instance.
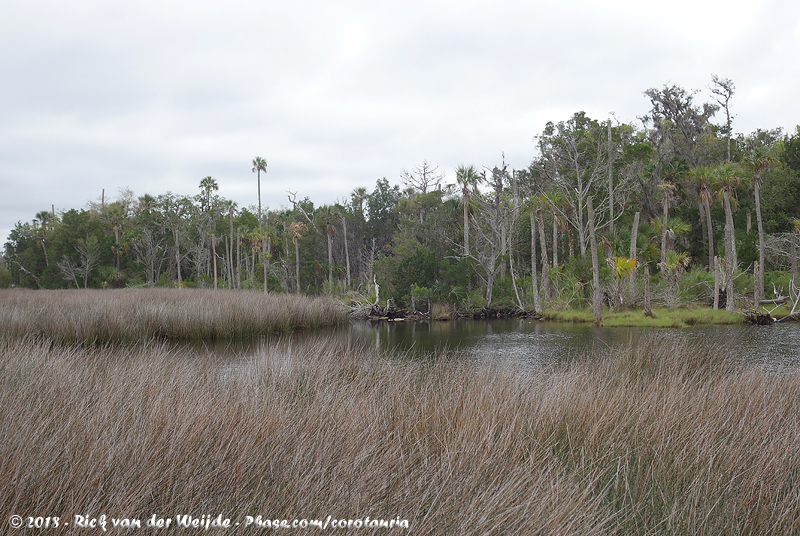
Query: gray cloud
(157, 95)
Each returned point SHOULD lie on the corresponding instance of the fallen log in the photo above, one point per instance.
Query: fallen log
(759, 318)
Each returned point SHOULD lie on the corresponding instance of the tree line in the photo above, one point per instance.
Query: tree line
(603, 206)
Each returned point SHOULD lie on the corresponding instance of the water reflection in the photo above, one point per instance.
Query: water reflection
(524, 341)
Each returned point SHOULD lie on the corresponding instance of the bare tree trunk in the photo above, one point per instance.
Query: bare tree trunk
(231, 280)
(647, 309)
(264, 254)
(346, 251)
(555, 240)
(214, 256)
(503, 249)
(228, 268)
(759, 284)
(597, 306)
(513, 278)
(545, 265)
(537, 304)
(756, 276)
(715, 267)
(33, 276)
(611, 185)
(178, 257)
(267, 260)
(701, 208)
(252, 271)
(730, 255)
(665, 208)
(297, 263)
(555, 254)
(793, 254)
(466, 226)
(238, 259)
(711, 252)
(491, 271)
(632, 276)
(330, 262)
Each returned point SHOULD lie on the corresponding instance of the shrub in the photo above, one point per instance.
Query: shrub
(696, 286)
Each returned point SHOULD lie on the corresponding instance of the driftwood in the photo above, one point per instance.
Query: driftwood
(775, 301)
(394, 314)
(758, 317)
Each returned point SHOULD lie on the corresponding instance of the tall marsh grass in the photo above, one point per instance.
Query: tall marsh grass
(141, 314)
(658, 439)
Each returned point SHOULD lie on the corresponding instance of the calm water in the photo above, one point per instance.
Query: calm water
(532, 342)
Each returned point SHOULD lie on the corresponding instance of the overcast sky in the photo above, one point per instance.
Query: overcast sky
(156, 95)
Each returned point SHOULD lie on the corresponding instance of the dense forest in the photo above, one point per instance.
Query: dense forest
(673, 203)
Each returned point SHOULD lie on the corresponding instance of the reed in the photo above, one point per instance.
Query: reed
(659, 439)
(97, 316)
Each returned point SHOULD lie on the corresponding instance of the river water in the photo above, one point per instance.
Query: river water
(529, 341)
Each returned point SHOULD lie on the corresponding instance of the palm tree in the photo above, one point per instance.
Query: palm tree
(44, 218)
(621, 269)
(116, 216)
(727, 176)
(703, 176)
(468, 179)
(675, 170)
(207, 185)
(259, 165)
(756, 162)
(230, 208)
(359, 195)
(673, 266)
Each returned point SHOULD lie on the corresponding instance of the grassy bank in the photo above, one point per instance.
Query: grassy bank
(662, 317)
(656, 440)
(141, 314)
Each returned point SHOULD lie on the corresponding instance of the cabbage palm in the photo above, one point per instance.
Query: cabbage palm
(207, 185)
(756, 162)
(675, 170)
(259, 165)
(703, 176)
(468, 178)
(673, 265)
(621, 269)
(727, 177)
(44, 219)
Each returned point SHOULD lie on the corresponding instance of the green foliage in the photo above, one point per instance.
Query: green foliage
(743, 282)
(413, 244)
(696, 286)
(6, 277)
(791, 151)
(777, 280)
(747, 247)
(418, 270)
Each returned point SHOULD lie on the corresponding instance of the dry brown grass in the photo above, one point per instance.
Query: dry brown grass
(142, 314)
(656, 440)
